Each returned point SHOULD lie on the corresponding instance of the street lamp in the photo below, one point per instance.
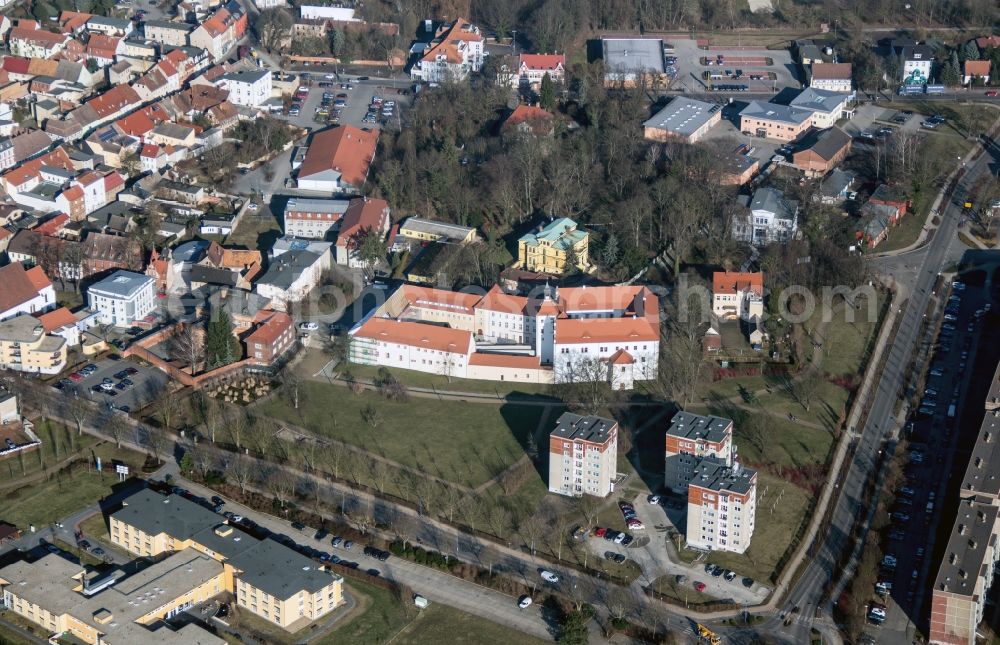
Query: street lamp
(513, 40)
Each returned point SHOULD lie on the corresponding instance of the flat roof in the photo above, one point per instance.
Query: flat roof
(969, 546)
(444, 229)
(123, 284)
(591, 428)
(696, 427)
(305, 205)
(982, 475)
(710, 474)
(632, 55)
(683, 116)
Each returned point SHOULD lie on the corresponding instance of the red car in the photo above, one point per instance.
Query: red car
(699, 587)
(600, 531)
(76, 377)
(991, 92)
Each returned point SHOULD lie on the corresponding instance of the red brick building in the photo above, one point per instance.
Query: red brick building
(272, 334)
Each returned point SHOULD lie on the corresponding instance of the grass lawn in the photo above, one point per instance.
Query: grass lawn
(846, 342)
(11, 637)
(729, 387)
(42, 503)
(904, 234)
(438, 382)
(252, 228)
(685, 593)
(442, 624)
(58, 442)
(459, 442)
(377, 618)
(774, 534)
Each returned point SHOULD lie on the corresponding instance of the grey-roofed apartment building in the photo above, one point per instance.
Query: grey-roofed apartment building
(633, 61)
(583, 455)
(682, 119)
(268, 578)
(722, 506)
(292, 275)
(691, 438)
(770, 218)
(123, 298)
(314, 218)
(774, 121)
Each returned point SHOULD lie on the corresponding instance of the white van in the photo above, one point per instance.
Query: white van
(420, 601)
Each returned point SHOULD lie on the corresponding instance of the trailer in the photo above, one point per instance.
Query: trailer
(909, 90)
(934, 89)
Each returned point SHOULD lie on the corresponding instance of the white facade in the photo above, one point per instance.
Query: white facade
(720, 519)
(313, 218)
(122, 299)
(455, 54)
(917, 68)
(43, 300)
(319, 12)
(247, 88)
(832, 84)
(292, 276)
(582, 460)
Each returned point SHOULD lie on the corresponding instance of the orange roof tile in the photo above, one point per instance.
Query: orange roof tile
(525, 113)
(58, 158)
(977, 68)
(104, 46)
(36, 36)
(497, 300)
(543, 61)
(726, 282)
(414, 334)
(600, 298)
(36, 276)
(831, 71)
(56, 320)
(460, 31)
(52, 225)
(346, 149)
(504, 360)
(218, 23)
(272, 325)
(430, 298)
(73, 193)
(70, 21)
(362, 213)
(621, 357)
(18, 286)
(570, 331)
(115, 99)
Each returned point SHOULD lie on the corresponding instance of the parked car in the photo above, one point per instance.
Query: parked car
(747, 582)
(336, 541)
(729, 575)
(654, 499)
(548, 576)
(308, 326)
(524, 602)
(699, 587)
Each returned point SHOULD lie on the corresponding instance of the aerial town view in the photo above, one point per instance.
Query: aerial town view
(470, 322)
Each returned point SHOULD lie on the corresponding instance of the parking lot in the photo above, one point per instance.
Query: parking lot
(147, 383)
(690, 67)
(358, 99)
(652, 550)
(729, 131)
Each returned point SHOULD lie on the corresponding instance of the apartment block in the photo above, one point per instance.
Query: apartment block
(583, 455)
(722, 506)
(123, 298)
(269, 579)
(738, 295)
(314, 218)
(691, 438)
(25, 347)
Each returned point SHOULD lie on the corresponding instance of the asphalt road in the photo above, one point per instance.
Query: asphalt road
(916, 282)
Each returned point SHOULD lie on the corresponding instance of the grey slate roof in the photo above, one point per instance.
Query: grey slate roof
(774, 112)
(837, 182)
(695, 427)
(211, 275)
(152, 513)
(713, 475)
(772, 200)
(279, 571)
(969, 547)
(287, 267)
(249, 76)
(827, 143)
(818, 100)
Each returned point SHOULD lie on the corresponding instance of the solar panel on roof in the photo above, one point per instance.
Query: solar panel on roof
(107, 135)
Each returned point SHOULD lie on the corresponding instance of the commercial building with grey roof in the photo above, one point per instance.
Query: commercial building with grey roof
(683, 119)
(628, 61)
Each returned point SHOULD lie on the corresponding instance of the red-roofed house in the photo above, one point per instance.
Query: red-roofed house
(972, 69)
(988, 41)
(53, 225)
(338, 159)
(273, 333)
(61, 322)
(533, 67)
(219, 33)
(738, 295)
(24, 291)
(73, 22)
(152, 157)
(27, 38)
(29, 174)
(364, 216)
(115, 102)
(104, 49)
(456, 50)
(530, 119)
(17, 68)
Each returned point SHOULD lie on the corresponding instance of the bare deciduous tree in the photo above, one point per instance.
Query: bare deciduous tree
(242, 470)
(188, 345)
(281, 484)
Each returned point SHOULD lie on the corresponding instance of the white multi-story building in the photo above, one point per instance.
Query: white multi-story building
(123, 298)
(832, 77)
(770, 218)
(722, 506)
(455, 52)
(250, 88)
(583, 456)
(292, 275)
(532, 68)
(827, 107)
(343, 13)
(917, 61)
(313, 218)
(594, 333)
(738, 295)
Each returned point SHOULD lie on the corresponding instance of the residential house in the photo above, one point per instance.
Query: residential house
(457, 50)
(685, 120)
(25, 291)
(168, 32)
(973, 70)
(61, 322)
(876, 219)
(110, 26)
(123, 298)
(583, 455)
(25, 347)
(722, 507)
(250, 88)
(291, 276)
(273, 333)
(338, 160)
(773, 121)
(28, 39)
(827, 107)
(691, 438)
(836, 187)
(532, 68)
(832, 77)
(820, 152)
(313, 218)
(770, 218)
(220, 32)
(891, 196)
(917, 62)
(105, 49)
(547, 249)
(738, 295)
(364, 216)
(530, 120)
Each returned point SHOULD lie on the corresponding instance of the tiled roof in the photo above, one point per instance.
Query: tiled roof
(504, 360)
(18, 286)
(543, 61)
(363, 213)
(497, 300)
(271, 325)
(726, 282)
(831, 71)
(528, 113)
(114, 100)
(977, 68)
(345, 149)
(461, 31)
(606, 330)
(40, 37)
(430, 298)
(58, 158)
(58, 319)
(414, 334)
